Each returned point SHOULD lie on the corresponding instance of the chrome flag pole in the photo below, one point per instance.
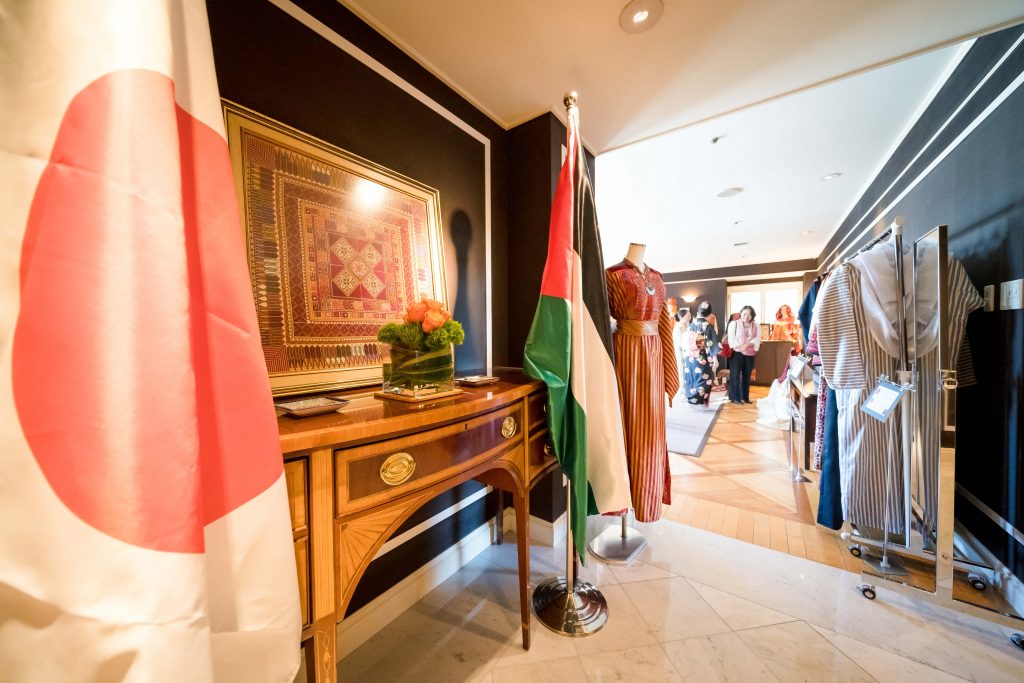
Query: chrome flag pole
(566, 605)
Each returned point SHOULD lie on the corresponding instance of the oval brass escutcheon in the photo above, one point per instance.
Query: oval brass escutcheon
(548, 448)
(397, 469)
(508, 427)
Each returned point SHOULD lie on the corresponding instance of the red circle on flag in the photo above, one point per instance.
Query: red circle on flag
(137, 371)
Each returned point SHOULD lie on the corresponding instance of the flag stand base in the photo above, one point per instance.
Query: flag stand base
(615, 546)
(573, 613)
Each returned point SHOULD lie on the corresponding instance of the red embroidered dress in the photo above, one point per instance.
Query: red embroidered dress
(645, 365)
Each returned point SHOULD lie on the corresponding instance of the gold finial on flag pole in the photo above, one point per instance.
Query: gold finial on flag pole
(569, 99)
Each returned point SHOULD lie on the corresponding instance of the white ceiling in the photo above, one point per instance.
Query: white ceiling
(662, 192)
(516, 58)
(796, 89)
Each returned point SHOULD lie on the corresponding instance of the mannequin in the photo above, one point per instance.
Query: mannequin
(645, 365)
(635, 254)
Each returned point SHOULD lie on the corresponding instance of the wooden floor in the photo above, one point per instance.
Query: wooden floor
(740, 487)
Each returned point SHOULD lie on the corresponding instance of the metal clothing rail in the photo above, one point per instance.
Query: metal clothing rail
(942, 555)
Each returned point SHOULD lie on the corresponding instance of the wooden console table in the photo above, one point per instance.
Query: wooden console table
(355, 475)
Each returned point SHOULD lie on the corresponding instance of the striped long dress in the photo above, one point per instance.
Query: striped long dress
(645, 366)
(851, 361)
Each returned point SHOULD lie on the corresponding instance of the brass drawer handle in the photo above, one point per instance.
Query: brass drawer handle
(548, 448)
(397, 469)
(509, 427)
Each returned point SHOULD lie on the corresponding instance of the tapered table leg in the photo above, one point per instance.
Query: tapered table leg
(521, 503)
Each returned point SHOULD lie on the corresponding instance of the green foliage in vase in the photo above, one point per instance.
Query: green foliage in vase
(406, 335)
(410, 336)
(449, 333)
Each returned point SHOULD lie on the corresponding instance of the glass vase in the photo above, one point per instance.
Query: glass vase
(419, 374)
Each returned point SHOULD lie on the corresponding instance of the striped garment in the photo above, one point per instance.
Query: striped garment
(645, 365)
(851, 363)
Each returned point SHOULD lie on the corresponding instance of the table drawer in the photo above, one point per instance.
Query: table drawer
(368, 475)
(540, 454)
(538, 410)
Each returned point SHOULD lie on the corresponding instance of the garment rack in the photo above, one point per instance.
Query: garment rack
(943, 552)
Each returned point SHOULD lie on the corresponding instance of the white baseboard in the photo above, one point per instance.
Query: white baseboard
(542, 532)
(356, 629)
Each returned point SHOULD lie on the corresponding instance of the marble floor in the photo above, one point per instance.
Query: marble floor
(696, 606)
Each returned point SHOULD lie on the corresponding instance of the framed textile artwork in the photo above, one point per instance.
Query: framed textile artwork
(337, 247)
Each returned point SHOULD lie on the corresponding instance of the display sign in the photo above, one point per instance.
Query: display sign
(883, 399)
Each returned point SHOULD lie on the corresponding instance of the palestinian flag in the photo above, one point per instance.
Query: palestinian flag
(570, 349)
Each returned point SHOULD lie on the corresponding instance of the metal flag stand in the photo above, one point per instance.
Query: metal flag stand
(567, 605)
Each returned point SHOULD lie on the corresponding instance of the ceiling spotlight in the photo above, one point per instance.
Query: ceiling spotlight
(639, 15)
(737, 222)
(831, 176)
(730, 191)
(690, 298)
(805, 233)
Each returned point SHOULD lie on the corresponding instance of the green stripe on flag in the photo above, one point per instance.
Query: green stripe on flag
(548, 355)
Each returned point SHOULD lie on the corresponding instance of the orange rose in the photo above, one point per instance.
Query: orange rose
(433, 320)
(433, 304)
(415, 313)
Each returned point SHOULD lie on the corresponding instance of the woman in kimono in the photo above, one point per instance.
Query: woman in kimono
(702, 347)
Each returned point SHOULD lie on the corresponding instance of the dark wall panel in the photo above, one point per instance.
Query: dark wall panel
(983, 56)
(271, 63)
(713, 291)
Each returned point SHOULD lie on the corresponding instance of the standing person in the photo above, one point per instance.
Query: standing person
(745, 340)
(683, 318)
(701, 348)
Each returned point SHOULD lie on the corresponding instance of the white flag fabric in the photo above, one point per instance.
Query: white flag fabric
(145, 532)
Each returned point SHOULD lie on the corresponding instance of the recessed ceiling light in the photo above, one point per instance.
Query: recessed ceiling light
(640, 15)
(740, 244)
(831, 176)
(806, 232)
(737, 222)
(730, 191)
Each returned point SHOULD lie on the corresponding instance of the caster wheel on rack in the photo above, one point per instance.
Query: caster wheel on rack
(1018, 640)
(977, 583)
(868, 592)
(855, 550)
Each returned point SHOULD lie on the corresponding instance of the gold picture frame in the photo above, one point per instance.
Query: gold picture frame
(337, 246)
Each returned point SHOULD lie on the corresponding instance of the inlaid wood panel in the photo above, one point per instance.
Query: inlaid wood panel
(302, 567)
(295, 480)
(360, 537)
